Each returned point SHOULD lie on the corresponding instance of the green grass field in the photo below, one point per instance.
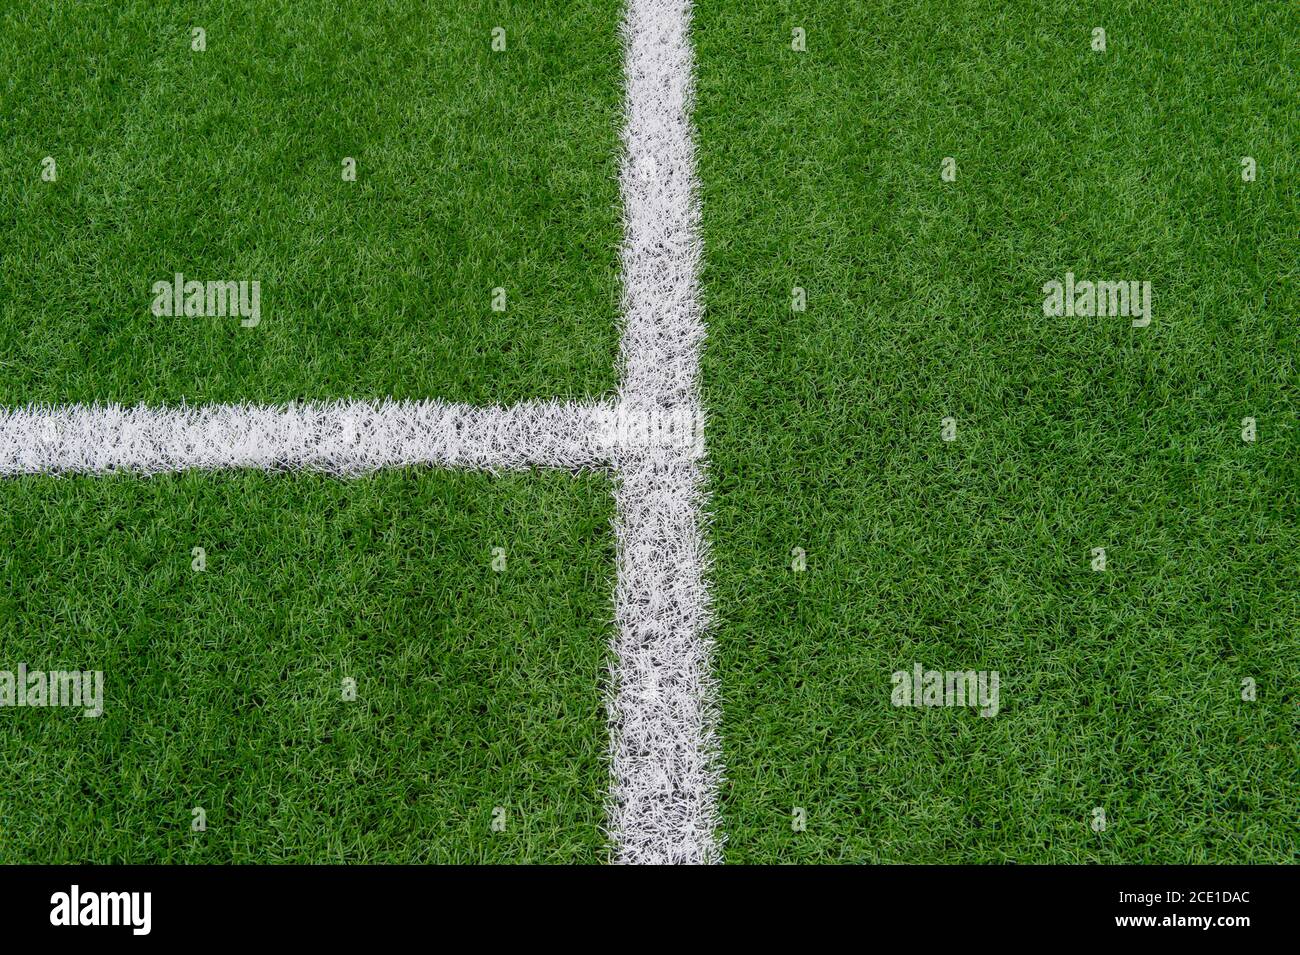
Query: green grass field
(475, 171)
(1120, 689)
(475, 689)
(820, 169)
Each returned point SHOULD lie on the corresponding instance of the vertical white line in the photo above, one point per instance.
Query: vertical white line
(666, 764)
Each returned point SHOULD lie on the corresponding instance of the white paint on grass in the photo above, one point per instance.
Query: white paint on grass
(338, 437)
(666, 765)
(662, 710)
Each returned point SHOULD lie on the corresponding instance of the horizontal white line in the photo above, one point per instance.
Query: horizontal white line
(338, 437)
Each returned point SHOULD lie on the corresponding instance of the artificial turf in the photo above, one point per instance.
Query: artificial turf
(476, 170)
(1121, 689)
(476, 688)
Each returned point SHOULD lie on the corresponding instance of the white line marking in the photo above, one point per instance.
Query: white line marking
(662, 711)
(339, 437)
(662, 706)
